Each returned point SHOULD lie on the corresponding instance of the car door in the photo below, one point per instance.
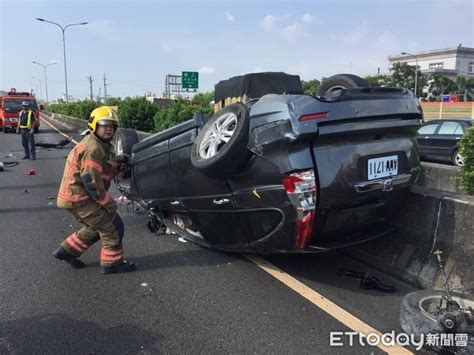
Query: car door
(207, 201)
(424, 138)
(446, 139)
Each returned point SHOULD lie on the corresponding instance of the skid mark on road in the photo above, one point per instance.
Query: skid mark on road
(323, 303)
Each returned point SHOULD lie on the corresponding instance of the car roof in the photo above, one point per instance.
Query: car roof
(467, 120)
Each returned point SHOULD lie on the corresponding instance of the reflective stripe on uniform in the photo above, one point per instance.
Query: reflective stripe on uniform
(76, 243)
(111, 255)
(107, 178)
(104, 200)
(73, 198)
(91, 164)
(28, 122)
(71, 169)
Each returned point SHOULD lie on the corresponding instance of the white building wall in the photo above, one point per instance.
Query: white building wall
(463, 65)
(455, 61)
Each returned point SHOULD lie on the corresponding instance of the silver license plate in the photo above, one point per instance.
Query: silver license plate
(382, 167)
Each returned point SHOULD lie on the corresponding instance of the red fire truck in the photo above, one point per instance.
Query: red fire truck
(10, 107)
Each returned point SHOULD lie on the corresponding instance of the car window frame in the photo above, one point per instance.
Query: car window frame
(429, 124)
(449, 134)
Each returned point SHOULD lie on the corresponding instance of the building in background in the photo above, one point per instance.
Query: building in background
(450, 62)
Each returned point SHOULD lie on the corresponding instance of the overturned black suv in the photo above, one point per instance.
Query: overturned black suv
(275, 170)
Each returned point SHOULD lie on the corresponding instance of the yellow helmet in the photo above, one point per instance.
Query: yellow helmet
(102, 116)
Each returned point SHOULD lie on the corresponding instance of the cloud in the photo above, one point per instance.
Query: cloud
(205, 70)
(229, 17)
(294, 32)
(307, 19)
(268, 22)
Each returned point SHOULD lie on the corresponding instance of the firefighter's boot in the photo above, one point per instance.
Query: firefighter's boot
(124, 266)
(62, 254)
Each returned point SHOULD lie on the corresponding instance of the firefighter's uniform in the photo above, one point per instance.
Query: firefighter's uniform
(84, 193)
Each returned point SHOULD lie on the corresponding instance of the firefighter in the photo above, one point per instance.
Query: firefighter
(83, 192)
(26, 127)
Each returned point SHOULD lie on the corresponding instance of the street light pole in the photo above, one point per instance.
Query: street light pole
(45, 78)
(416, 70)
(40, 85)
(63, 29)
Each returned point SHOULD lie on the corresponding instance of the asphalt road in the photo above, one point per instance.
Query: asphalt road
(182, 299)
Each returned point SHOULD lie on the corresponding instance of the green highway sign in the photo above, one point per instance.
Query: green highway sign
(190, 80)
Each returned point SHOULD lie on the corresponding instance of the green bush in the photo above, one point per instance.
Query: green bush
(204, 99)
(81, 109)
(137, 113)
(178, 111)
(467, 152)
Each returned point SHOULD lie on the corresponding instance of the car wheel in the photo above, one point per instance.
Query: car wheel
(457, 158)
(418, 315)
(220, 148)
(333, 85)
(125, 138)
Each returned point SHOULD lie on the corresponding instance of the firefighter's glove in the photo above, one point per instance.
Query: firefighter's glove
(121, 159)
(123, 162)
(111, 207)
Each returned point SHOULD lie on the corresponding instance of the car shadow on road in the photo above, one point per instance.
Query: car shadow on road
(62, 334)
(323, 269)
(174, 259)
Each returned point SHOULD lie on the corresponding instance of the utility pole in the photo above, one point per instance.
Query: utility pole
(105, 88)
(98, 96)
(90, 83)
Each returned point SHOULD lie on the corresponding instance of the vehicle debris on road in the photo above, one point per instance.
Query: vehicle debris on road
(7, 164)
(58, 145)
(367, 282)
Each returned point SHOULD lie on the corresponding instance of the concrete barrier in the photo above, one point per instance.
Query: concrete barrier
(435, 216)
(78, 124)
(440, 177)
(431, 219)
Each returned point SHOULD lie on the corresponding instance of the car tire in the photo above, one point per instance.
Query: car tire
(216, 157)
(414, 321)
(457, 158)
(334, 84)
(125, 138)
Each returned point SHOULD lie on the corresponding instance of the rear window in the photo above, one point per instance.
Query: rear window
(14, 105)
(428, 129)
(450, 128)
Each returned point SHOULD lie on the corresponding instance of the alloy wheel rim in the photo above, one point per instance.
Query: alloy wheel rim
(459, 159)
(218, 136)
(430, 305)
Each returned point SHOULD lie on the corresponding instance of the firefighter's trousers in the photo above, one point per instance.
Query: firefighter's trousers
(98, 224)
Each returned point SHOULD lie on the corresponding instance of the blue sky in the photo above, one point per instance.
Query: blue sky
(136, 43)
